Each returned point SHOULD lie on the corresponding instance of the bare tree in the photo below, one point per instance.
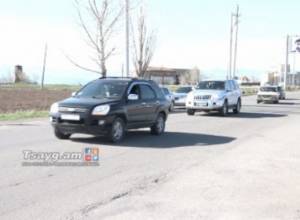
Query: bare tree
(103, 17)
(143, 45)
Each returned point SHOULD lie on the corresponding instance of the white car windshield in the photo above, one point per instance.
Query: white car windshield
(268, 89)
(211, 85)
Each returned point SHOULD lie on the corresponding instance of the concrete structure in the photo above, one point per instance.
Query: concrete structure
(173, 76)
(293, 79)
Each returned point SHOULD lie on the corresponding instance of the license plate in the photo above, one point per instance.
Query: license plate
(70, 117)
(200, 104)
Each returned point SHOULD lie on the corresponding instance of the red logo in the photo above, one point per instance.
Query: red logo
(88, 157)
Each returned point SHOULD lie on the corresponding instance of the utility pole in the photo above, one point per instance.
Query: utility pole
(44, 65)
(127, 37)
(237, 16)
(286, 61)
(230, 49)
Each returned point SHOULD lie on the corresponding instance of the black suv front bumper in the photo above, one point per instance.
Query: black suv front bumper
(88, 124)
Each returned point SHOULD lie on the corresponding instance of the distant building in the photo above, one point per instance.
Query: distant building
(245, 79)
(293, 79)
(274, 78)
(173, 76)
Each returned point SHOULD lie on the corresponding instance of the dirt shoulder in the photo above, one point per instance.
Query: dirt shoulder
(26, 99)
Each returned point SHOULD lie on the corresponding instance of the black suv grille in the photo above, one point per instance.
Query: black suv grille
(72, 109)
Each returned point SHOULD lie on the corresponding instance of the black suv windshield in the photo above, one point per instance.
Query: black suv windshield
(103, 89)
(268, 89)
(213, 85)
(184, 90)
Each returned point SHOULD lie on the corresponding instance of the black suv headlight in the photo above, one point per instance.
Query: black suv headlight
(101, 110)
(54, 108)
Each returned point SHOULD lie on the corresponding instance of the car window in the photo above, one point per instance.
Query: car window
(214, 85)
(268, 89)
(147, 93)
(135, 90)
(166, 91)
(236, 85)
(103, 89)
(184, 89)
(232, 84)
(228, 86)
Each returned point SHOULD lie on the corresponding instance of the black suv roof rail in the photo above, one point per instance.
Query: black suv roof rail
(130, 78)
(118, 77)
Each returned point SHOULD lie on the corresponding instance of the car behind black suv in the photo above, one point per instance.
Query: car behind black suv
(110, 106)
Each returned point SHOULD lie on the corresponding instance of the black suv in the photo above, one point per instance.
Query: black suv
(110, 106)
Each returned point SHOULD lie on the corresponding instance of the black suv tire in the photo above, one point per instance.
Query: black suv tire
(117, 131)
(61, 135)
(159, 127)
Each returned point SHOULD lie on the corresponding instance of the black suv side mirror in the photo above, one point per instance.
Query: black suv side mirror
(133, 97)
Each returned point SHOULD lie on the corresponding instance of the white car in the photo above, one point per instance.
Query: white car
(215, 95)
(180, 95)
(268, 94)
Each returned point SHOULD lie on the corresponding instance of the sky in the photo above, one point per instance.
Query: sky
(190, 34)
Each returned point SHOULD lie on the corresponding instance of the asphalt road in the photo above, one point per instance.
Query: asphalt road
(243, 166)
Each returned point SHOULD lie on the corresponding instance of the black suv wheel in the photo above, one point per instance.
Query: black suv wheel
(61, 135)
(159, 127)
(117, 131)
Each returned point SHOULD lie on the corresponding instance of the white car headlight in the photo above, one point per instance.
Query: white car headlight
(54, 108)
(101, 110)
(190, 97)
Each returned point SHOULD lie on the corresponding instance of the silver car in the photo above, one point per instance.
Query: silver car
(215, 95)
(169, 96)
(180, 95)
(281, 92)
(268, 94)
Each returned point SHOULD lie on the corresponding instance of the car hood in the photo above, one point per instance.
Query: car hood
(179, 95)
(268, 93)
(85, 102)
(209, 92)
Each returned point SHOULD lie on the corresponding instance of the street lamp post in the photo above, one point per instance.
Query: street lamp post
(127, 37)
